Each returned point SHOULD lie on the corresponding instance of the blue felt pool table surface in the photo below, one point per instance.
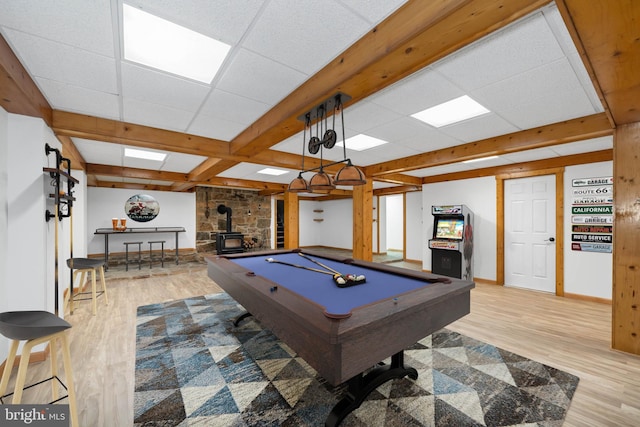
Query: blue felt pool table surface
(321, 289)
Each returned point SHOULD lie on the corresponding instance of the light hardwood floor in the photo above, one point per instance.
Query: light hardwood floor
(567, 334)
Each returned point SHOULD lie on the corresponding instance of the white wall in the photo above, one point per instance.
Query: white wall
(27, 241)
(585, 273)
(176, 210)
(477, 194)
(414, 226)
(395, 221)
(336, 228)
(4, 164)
(28, 259)
(382, 221)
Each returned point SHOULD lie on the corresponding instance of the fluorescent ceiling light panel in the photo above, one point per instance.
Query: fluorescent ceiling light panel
(271, 171)
(362, 142)
(481, 159)
(450, 112)
(161, 44)
(143, 154)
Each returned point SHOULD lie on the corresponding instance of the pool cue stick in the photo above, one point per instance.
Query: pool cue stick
(298, 266)
(319, 263)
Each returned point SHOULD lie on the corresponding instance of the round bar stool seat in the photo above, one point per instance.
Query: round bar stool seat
(37, 327)
(28, 325)
(83, 266)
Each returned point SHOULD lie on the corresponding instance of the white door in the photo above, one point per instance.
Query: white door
(529, 224)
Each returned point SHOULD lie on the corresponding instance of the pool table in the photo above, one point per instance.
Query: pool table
(342, 332)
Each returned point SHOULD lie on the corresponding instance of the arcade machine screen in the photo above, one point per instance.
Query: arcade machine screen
(449, 228)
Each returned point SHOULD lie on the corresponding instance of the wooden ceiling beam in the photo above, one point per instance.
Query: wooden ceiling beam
(119, 171)
(398, 189)
(416, 35)
(398, 178)
(243, 183)
(608, 31)
(18, 92)
(70, 151)
(593, 126)
(106, 130)
(519, 168)
(132, 186)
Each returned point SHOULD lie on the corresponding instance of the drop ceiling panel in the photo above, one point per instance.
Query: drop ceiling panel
(530, 155)
(372, 10)
(142, 84)
(98, 152)
(420, 91)
(65, 97)
(155, 115)
(304, 35)
(259, 78)
(233, 107)
(595, 144)
(429, 139)
(478, 128)
(85, 24)
(215, 127)
(42, 58)
(438, 170)
(550, 84)
(503, 54)
(179, 162)
(365, 116)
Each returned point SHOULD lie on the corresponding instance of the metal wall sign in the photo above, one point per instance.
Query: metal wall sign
(592, 214)
(142, 208)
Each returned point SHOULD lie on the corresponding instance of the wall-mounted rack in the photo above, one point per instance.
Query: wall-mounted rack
(63, 199)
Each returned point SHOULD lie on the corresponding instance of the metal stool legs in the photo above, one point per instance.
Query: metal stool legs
(151, 243)
(127, 262)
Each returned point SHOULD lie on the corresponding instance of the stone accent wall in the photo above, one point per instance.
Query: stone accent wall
(209, 222)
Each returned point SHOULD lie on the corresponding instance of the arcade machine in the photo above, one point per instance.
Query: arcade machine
(452, 243)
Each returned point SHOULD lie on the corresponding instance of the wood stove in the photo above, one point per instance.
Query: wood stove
(229, 242)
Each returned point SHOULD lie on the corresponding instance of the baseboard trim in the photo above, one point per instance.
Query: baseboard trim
(34, 357)
(588, 298)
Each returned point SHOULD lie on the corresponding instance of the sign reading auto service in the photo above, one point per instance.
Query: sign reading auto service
(592, 214)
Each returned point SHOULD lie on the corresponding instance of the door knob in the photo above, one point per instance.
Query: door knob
(550, 239)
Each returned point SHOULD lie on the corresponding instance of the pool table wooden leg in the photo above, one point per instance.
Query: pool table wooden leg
(361, 385)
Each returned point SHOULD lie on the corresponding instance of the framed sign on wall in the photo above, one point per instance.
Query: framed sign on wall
(142, 208)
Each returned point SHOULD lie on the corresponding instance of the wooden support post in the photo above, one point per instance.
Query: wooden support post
(291, 220)
(363, 221)
(625, 334)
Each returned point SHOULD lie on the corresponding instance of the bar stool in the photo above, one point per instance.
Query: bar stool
(37, 327)
(126, 255)
(151, 242)
(83, 266)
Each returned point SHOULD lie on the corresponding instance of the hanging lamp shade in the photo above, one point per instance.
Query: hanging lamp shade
(321, 182)
(350, 175)
(299, 185)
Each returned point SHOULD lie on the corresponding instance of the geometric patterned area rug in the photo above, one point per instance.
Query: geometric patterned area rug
(193, 367)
